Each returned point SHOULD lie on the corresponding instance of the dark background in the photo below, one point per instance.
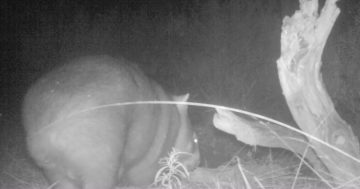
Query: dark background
(220, 51)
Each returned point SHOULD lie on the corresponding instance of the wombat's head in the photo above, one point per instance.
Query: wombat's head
(187, 140)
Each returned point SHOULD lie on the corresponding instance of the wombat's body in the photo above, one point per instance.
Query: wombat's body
(79, 143)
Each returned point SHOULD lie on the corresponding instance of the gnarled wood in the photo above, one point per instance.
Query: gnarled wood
(303, 39)
(257, 132)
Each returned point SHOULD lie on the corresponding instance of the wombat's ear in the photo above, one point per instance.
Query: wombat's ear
(181, 98)
(182, 107)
